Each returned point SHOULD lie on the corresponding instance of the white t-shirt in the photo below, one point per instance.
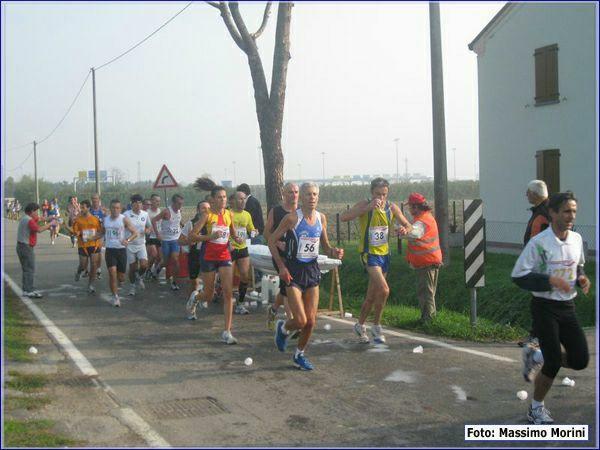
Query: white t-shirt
(186, 230)
(141, 222)
(152, 214)
(114, 231)
(546, 254)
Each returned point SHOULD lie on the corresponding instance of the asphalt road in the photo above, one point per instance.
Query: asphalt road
(195, 391)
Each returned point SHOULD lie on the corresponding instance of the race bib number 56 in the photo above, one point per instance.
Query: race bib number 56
(308, 247)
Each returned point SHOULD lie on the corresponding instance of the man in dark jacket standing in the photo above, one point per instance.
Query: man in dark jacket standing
(537, 195)
(254, 208)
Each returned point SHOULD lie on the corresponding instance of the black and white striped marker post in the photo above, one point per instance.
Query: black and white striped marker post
(474, 242)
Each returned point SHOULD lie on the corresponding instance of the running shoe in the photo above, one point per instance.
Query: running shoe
(85, 274)
(241, 309)
(132, 290)
(361, 331)
(530, 367)
(116, 301)
(174, 286)
(98, 274)
(280, 337)
(228, 338)
(271, 316)
(378, 336)
(539, 415)
(302, 363)
(77, 276)
(140, 283)
(91, 290)
(192, 302)
(32, 294)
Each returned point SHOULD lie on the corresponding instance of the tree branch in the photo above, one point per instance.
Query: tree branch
(226, 16)
(263, 25)
(214, 4)
(281, 57)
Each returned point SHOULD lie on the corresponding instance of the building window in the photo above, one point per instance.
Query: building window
(546, 75)
(548, 168)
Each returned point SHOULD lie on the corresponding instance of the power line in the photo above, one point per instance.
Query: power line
(21, 165)
(18, 147)
(145, 39)
(68, 110)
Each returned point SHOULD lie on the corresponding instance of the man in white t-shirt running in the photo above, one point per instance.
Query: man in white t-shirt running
(137, 257)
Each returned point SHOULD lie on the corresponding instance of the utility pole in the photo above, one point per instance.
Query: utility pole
(440, 174)
(397, 166)
(323, 156)
(406, 167)
(96, 165)
(35, 174)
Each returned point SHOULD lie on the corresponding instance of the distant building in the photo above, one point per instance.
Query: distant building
(536, 65)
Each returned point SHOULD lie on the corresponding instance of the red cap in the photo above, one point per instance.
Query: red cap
(416, 199)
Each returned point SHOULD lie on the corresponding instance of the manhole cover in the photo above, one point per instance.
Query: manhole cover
(183, 408)
(77, 382)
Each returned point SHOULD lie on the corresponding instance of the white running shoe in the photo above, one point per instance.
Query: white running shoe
(132, 290)
(228, 338)
(241, 309)
(174, 286)
(377, 334)
(530, 367)
(361, 331)
(116, 301)
(91, 289)
(77, 276)
(539, 415)
(140, 283)
(190, 306)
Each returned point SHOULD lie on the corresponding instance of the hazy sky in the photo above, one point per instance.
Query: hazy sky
(358, 78)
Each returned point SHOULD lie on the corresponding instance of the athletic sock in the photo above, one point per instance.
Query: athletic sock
(298, 353)
(283, 330)
(535, 404)
(242, 292)
(538, 358)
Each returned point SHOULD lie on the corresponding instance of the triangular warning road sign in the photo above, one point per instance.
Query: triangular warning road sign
(165, 179)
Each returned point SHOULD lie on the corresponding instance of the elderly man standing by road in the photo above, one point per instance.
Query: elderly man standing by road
(537, 195)
(255, 210)
(423, 252)
(27, 232)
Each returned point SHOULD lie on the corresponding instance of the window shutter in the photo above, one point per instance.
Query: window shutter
(546, 75)
(548, 168)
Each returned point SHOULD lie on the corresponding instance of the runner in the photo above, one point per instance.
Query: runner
(214, 254)
(146, 204)
(376, 216)
(170, 229)
(137, 257)
(300, 270)
(113, 229)
(73, 210)
(100, 212)
(45, 208)
(88, 230)
(152, 242)
(551, 266)
(193, 257)
(274, 218)
(55, 220)
(244, 229)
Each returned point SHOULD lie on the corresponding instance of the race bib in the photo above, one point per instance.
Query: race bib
(224, 230)
(114, 235)
(566, 273)
(378, 236)
(308, 247)
(87, 234)
(241, 233)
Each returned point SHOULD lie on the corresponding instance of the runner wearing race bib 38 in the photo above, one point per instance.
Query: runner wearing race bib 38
(376, 217)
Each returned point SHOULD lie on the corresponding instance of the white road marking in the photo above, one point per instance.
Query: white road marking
(461, 395)
(401, 376)
(127, 415)
(433, 342)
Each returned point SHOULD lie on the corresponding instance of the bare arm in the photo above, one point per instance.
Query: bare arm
(160, 216)
(232, 232)
(357, 210)
(397, 212)
(268, 225)
(286, 224)
(131, 229)
(195, 235)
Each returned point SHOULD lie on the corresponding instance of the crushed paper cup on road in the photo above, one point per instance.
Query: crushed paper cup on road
(33, 350)
(348, 315)
(522, 395)
(418, 349)
(568, 382)
(248, 361)
(327, 327)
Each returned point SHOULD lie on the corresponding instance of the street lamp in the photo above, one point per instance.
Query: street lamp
(397, 167)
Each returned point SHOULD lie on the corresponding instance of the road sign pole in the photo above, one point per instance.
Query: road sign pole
(166, 204)
(473, 307)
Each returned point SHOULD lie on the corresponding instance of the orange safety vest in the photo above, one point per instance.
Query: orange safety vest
(425, 251)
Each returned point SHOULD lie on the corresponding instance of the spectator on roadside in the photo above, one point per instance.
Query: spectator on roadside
(26, 240)
(73, 210)
(255, 210)
(537, 195)
(17, 208)
(45, 207)
(423, 252)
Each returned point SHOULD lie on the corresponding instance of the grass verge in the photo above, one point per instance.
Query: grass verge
(33, 433)
(503, 308)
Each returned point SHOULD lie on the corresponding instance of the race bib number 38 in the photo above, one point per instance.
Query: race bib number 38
(308, 247)
(378, 236)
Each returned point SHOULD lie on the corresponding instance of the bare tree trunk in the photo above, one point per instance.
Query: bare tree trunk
(269, 106)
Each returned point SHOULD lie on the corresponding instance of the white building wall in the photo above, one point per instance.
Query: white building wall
(512, 128)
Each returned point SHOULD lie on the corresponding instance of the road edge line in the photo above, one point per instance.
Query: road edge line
(432, 342)
(127, 415)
